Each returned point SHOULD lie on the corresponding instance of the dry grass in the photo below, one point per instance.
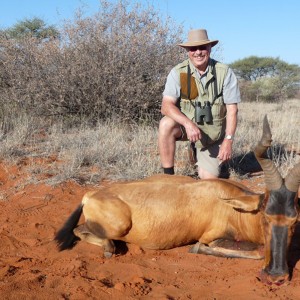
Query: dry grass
(109, 150)
(112, 150)
(285, 126)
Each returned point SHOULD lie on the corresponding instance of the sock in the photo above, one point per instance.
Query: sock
(169, 171)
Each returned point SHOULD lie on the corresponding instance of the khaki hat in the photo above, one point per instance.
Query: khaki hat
(198, 37)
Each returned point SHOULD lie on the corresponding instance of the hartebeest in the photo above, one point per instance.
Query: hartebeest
(163, 212)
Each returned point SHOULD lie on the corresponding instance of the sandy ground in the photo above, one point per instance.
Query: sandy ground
(32, 268)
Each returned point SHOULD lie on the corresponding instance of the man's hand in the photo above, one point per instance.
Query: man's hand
(225, 151)
(192, 131)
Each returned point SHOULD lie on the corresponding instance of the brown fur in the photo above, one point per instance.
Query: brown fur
(164, 212)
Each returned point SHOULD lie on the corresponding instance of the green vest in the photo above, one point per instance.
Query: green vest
(194, 91)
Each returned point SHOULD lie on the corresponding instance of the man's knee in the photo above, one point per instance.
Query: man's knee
(211, 174)
(169, 127)
(166, 123)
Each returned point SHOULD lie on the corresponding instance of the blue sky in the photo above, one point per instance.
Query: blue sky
(256, 27)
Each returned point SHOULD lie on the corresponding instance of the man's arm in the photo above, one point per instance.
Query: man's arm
(170, 109)
(225, 152)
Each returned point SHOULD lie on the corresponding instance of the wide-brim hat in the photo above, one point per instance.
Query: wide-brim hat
(198, 37)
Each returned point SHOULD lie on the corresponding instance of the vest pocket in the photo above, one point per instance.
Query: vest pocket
(218, 109)
(187, 108)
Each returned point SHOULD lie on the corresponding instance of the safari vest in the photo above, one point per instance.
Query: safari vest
(192, 92)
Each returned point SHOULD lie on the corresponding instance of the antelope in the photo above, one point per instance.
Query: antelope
(167, 211)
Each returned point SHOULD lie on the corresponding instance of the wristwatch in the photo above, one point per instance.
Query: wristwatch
(229, 137)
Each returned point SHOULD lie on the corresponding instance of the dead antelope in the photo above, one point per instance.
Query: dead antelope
(163, 212)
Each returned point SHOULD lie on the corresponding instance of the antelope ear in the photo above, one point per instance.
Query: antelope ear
(246, 203)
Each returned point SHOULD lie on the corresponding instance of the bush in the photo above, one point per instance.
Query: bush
(272, 89)
(113, 64)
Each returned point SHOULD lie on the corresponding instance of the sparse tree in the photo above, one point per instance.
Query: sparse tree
(34, 27)
(266, 78)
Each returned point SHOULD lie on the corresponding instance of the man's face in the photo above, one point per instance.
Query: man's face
(199, 56)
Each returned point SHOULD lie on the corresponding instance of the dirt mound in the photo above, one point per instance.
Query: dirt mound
(32, 268)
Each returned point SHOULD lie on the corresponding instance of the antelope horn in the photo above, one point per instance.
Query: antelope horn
(273, 178)
(292, 180)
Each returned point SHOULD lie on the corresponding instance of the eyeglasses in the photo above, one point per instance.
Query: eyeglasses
(195, 48)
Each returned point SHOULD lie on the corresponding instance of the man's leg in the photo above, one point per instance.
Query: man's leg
(208, 162)
(203, 174)
(169, 131)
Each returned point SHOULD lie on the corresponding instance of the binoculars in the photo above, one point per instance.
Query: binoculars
(203, 113)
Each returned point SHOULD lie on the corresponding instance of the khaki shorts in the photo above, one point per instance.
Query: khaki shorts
(206, 157)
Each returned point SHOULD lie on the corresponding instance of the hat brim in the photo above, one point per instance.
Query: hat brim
(192, 44)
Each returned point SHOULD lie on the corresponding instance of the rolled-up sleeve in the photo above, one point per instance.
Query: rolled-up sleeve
(172, 86)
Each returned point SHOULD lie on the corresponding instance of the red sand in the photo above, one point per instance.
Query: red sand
(32, 268)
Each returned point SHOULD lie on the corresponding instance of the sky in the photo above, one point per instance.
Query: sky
(243, 27)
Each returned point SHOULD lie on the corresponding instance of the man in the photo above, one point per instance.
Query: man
(200, 105)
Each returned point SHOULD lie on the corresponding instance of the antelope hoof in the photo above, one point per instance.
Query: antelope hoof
(108, 254)
(195, 248)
